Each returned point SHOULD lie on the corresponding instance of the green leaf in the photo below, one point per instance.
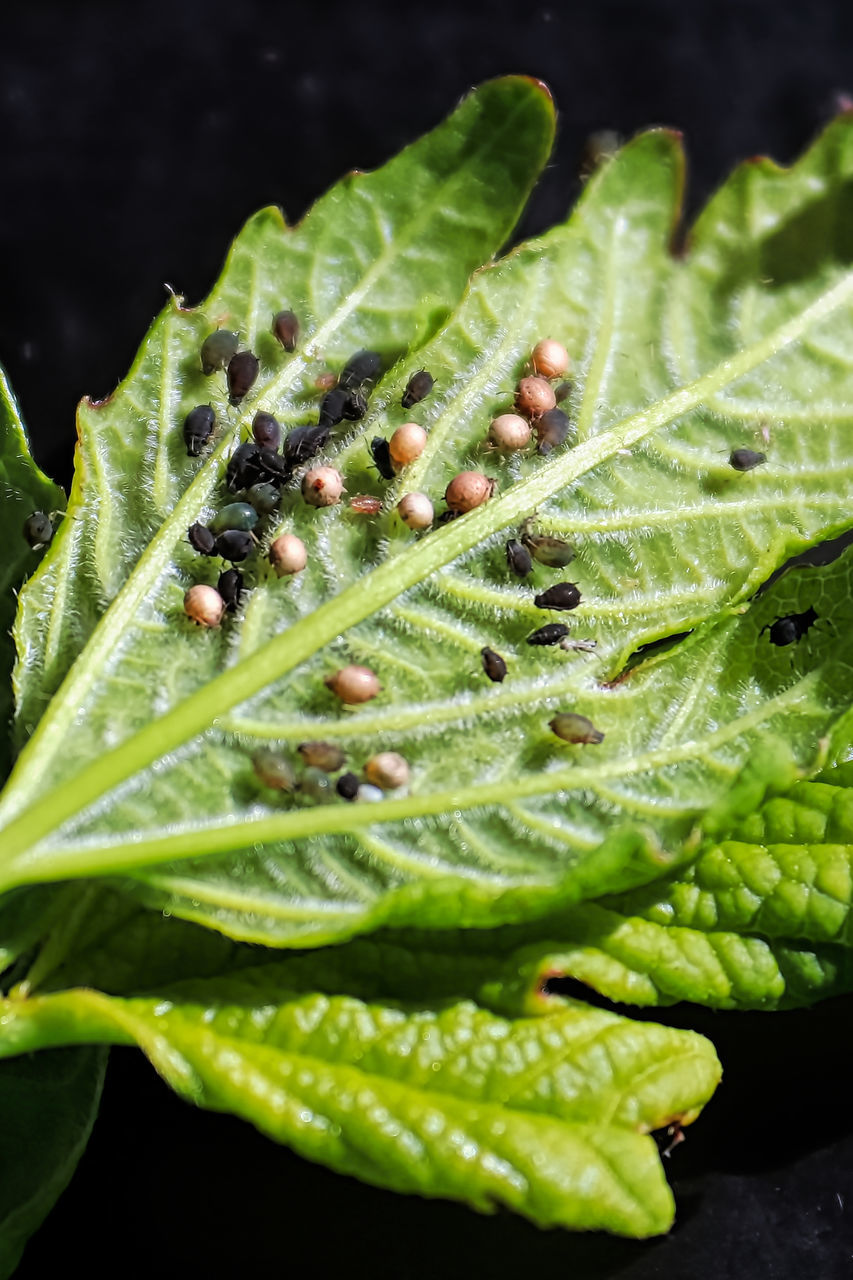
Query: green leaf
(48, 1104)
(148, 745)
(25, 489)
(547, 1116)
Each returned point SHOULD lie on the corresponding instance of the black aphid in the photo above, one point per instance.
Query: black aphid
(230, 587)
(790, 629)
(447, 516)
(201, 539)
(356, 405)
(234, 545)
(243, 469)
(562, 392)
(242, 372)
(746, 459)
(552, 429)
(264, 497)
(417, 388)
(347, 786)
(303, 444)
(217, 349)
(552, 633)
(364, 366)
(493, 665)
(285, 326)
(563, 595)
(518, 558)
(38, 530)
(381, 455)
(198, 428)
(266, 430)
(333, 407)
(272, 466)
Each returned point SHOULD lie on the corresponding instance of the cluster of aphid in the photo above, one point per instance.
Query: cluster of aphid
(259, 469)
(385, 771)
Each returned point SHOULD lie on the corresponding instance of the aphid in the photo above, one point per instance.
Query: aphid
(272, 466)
(368, 794)
(347, 786)
(551, 633)
(417, 388)
(325, 381)
(38, 530)
(562, 392)
(204, 605)
(198, 428)
(563, 595)
(572, 727)
(287, 555)
(388, 770)
(242, 372)
(364, 504)
(534, 396)
(327, 756)
(243, 469)
(553, 552)
(217, 349)
(234, 545)
(355, 406)
(510, 432)
(550, 358)
(791, 628)
(353, 684)
(364, 366)
(230, 587)
(493, 665)
(322, 486)
(316, 783)
(303, 444)
(333, 407)
(273, 770)
(552, 430)
(264, 497)
(416, 511)
(266, 430)
(406, 444)
(746, 459)
(518, 558)
(285, 326)
(447, 516)
(237, 515)
(201, 539)
(468, 490)
(381, 453)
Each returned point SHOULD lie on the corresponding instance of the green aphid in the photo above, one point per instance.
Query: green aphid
(237, 515)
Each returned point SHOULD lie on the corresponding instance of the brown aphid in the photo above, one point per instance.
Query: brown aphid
(242, 374)
(518, 558)
(387, 770)
(550, 358)
(287, 555)
(327, 756)
(406, 444)
(553, 552)
(534, 396)
(204, 605)
(285, 326)
(364, 504)
(493, 665)
(552, 430)
(273, 770)
(572, 727)
(417, 388)
(468, 490)
(510, 432)
(416, 511)
(322, 486)
(354, 684)
(746, 459)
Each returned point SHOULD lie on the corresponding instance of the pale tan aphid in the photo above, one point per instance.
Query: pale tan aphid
(322, 486)
(416, 510)
(204, 605)
(550, 359)
(354, 684)
(387, 770)
(509, 432)
(468, 490)
(534, 396)
(327, 756)
(406, 444)
(288, 555)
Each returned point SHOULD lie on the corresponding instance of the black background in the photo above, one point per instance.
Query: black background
(134, 140)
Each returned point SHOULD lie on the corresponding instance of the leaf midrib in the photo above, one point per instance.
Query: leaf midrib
(283, 653)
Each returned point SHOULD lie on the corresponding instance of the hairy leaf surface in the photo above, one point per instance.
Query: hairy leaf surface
(548, 1116)
(678, 361)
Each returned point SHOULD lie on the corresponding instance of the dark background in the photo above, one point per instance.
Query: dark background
(134, 140)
